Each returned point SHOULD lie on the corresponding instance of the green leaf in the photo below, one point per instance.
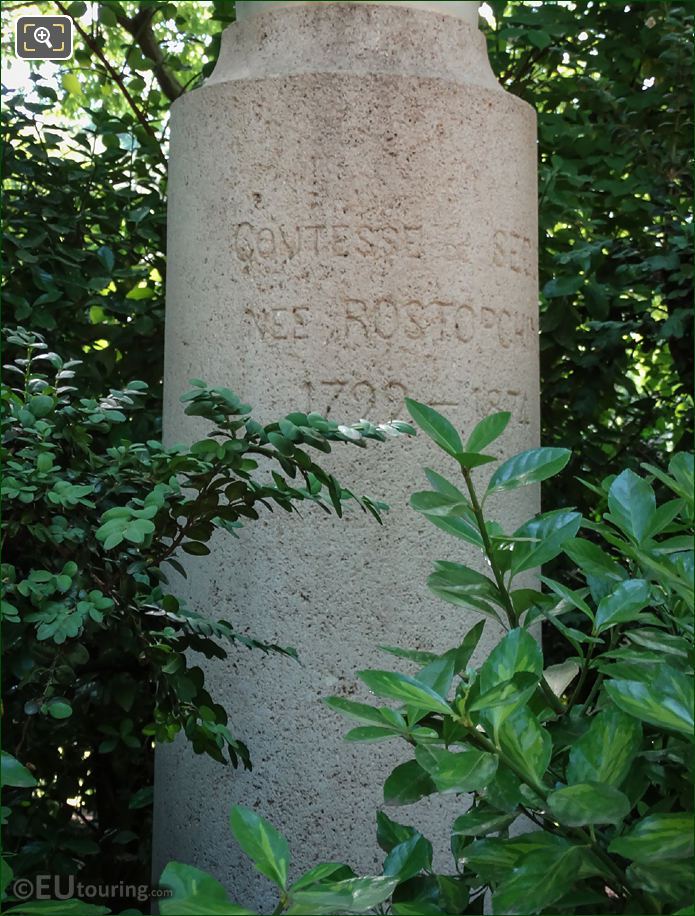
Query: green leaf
(41, 405)
(659, 641)
(408, 783)
(542, 538)
(195, 548)
(503, 792)
(574, 598)
(439, 673)
(680, 478)
(444, 487)
(470, 643)
(560, 286)
(404, 688)
(71, 84)
(471, 460)
(59, 709)
(370, 733)
(111, 540)
(196, 893)
(463, 771)
(516, 690)
(465, 598)
(463, 586)
(416, 908)
(437, 427)
(532, 466)
(320, 873)
(632, 505)
(359, 712)
(489, 429)
(137, 530)
(656, 838)
(589, 803)
(57, 908)
(669, 881)
(607, 749)
(279, 442)
(13, 773)
(263, 844)
(6, 873)
(538, 880)
(667, 701)
(526, 743)
(390, 833)
(481, 821)
(107, 15)
(539, 39)
(107, 257)
(457, 576)
(412, 655)
(355, 895)
(143, 798)
(518, 651)
(622, 605)
(409, 858)
(435, 504)
(457, 526)
(454, 893)
(593, 561)
(491, 859)
(674, 575)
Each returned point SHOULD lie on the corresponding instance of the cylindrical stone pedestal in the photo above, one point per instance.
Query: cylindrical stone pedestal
(352, 219)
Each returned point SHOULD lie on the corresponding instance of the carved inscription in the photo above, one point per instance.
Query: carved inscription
(369, 240)
(394, 320)
(514, 251)
(368, 398)
(280, 323)
(436, 318)
(384, 399)
(279, 244)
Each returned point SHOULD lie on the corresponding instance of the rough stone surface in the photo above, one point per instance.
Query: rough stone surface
(466, 9)
(352, 219)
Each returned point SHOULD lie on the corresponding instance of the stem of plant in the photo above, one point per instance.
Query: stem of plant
(576, 693)
(555, 703)
(596, 686)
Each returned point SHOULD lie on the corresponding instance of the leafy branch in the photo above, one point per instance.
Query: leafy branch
(96, 50)
(140, 28)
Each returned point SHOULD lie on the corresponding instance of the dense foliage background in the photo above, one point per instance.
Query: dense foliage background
(85, 145)
(85, 171)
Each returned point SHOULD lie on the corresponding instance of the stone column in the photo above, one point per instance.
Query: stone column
(352, 218)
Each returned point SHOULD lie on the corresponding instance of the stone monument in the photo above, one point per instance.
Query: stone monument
(352, 219)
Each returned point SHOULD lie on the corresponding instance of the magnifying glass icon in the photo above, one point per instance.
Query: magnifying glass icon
(43, 36)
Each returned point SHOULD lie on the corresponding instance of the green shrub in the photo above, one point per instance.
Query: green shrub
(612, 88)
(85, 195)
(327, 888)
(589, 761)
(99, 653)
(84, 246)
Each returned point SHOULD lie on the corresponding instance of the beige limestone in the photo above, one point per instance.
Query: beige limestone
(466, 9)
(352, 219)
